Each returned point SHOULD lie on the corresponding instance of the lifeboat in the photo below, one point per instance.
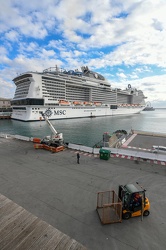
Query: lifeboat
(88, 103)
(77, 103)
(64, 102)
(97, 103)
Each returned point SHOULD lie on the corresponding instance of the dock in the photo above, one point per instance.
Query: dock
(5, 115)
(53, 191)
(19, 229)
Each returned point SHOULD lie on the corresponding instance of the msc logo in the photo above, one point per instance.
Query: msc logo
(48, 112)
(59, 112)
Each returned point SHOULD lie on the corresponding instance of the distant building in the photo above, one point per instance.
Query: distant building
(5, 104)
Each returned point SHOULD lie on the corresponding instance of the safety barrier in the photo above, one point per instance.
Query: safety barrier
(36, 140)
(50, 148)
(81, 148)
(36, 146)
(116, 151)
(139, 132)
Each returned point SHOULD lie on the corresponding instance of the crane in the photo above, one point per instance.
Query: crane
(56, 139)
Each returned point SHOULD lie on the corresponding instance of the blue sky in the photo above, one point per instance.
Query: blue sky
(123, 40)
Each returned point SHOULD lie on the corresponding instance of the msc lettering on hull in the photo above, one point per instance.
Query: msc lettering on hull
(59, 112)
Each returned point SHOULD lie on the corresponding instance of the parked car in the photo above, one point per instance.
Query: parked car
(159, 149)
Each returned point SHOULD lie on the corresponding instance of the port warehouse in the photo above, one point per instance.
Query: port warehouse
(5, 108)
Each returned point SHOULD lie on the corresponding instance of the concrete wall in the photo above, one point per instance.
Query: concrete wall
(138, 132)
(118, 151)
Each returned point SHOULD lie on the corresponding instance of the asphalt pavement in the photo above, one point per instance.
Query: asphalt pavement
(56, 189)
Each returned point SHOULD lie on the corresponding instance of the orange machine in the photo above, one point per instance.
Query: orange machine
(54, 142)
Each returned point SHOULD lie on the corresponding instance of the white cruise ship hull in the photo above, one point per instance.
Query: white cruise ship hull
(69, 112)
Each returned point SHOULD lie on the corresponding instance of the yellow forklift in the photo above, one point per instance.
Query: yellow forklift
(134, 201)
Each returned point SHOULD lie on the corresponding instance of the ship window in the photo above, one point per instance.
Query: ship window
(113, 106)
(19, 108)
(28, 101)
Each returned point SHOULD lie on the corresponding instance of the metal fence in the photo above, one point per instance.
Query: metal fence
(109, 207)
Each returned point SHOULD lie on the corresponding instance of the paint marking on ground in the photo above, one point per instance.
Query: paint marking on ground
(129, 140)
(133, 158)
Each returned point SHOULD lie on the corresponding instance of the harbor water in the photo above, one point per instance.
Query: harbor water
(89, 131)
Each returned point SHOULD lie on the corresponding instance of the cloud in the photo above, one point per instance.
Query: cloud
(124, 40)
(3, 51)
(6, 88)
(12, 35)
(122, 75)
(13, 15)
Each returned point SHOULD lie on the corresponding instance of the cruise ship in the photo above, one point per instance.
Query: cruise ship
(61, 94)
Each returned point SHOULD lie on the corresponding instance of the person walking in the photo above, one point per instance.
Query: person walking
(78, 158)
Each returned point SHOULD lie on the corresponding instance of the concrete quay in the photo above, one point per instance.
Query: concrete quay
(63, 193)
(5, 115)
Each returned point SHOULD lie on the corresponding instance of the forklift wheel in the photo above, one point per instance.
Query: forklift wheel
(146, 213)
(126, 216)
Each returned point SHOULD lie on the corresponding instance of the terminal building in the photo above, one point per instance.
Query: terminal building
(5, 108)
(5, 104)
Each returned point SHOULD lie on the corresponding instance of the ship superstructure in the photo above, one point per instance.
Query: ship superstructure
(62, 94)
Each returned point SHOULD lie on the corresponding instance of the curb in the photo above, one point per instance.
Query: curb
(163, 163)
(138, 159)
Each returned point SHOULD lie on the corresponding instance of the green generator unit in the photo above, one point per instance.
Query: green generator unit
(104, 154)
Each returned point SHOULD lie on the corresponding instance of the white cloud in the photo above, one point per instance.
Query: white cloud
(6, 88)
(12, 35)
(102, 34)
(14, 16)
(3, 50)
(121, 75)
(55, 44)
(47, 53)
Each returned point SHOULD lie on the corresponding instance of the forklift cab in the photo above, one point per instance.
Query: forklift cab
(134, 202)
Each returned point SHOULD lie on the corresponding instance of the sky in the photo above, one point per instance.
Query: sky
(124, 40)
